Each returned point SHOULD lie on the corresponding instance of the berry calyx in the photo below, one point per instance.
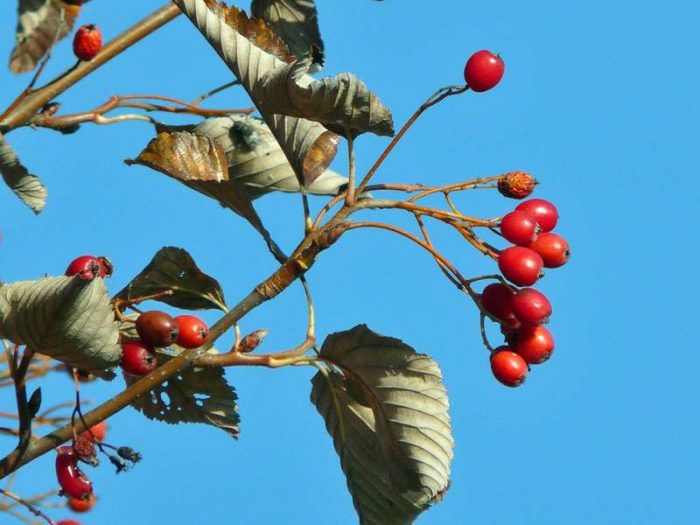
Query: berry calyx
(535, 344)
(553, 249)
(73, 482)
(84, 449)
(483, 70)
(87, 267)
(99, 432)
(544, 212)
(519, 227)
(192, 331)
(137, 358)
(496, 300)
(87, 42)
(157, 328)
(517, 185)
(508, 367)
(521, 266)
(82, 504)
(531, 307)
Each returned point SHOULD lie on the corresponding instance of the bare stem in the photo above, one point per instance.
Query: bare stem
(34, 510)
(214, 91)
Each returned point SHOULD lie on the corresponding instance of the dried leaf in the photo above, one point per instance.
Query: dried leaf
(174, 269)
(39, 24)
(26, 186)
(308, 146)
(63, 317)
(256, 159)
(387, 410)
(341, 103)
(295, 21)
(193, 395)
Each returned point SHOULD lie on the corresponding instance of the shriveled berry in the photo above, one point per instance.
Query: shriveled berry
(87, 42)
(553, 249)
(483, 70)
(496, 301)
(137, 358)
(192, 331)
(535, 344)
(508, 367)
(531, 307)
(544, 212)
(521, 266)
(517, 184)
(82, 504)
(519, 227)
(71, 479)
(157, 328)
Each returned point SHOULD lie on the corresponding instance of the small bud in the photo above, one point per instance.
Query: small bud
(251, 341)
(517, 184)
(34, 403)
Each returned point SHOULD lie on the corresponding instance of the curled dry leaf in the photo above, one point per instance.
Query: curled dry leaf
(387, 410)
(66, 318)
(26, 186)
(193, 395)
(39, 24)
(174, 269)
(340, 103)
(309, 146)
(256, 159)
(295, 22)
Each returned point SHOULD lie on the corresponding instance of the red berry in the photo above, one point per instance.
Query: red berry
(517, 184)
(508, 367)
(71, 479)
(535, 344)
(137, 358)
(68, 522)
(483, 71)
(156, 328)
(496, 301)
(544, 212)
(87, 42)
(519, 228)
(553, 248)
(99, 431)
(193, 332)
(82, 504)
(88, 267)
(531, 307)
(519, 265)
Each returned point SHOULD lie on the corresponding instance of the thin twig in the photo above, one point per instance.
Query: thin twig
(28, 506)
(214, 91)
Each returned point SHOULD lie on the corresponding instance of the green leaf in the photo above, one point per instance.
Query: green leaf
(174, 269)
(340, 103)
(63, 317)
(386, 408)
(26, 186)
(193, 395)
(295, 22)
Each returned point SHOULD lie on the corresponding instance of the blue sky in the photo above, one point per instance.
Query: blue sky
(598, 101)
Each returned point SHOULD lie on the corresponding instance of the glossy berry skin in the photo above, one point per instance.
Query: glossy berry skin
(193, 332)
(87, 42)
(531, 307)
(157, 328)
(137, 358)
(99, 431)
(553, 249)
(82, 505)
(496, 300)
(535, 344)
(519, 227)
(87, 267)
(519, 265)
(483, 70)
(544, 212)
(508, 367)
(71, 479)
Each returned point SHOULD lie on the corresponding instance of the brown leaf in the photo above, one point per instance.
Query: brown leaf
(340, 103)
(174, 269)
(39, 24)
(26, 186)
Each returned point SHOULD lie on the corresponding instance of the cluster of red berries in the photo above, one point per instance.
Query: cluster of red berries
(87, 42)
(522, 312)
(157, 329)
